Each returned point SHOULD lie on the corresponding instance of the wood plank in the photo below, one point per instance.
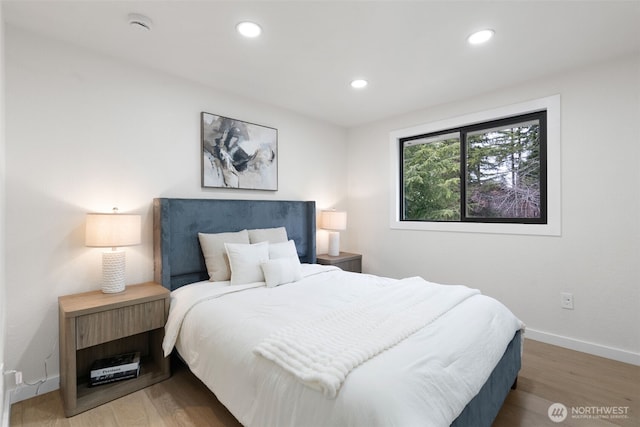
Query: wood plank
(68, 360)
(102, 416)
(110, 325)
(94, 301)
(553, 374)
(137, 410)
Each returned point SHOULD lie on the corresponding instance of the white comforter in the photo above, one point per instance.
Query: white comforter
(424, 380)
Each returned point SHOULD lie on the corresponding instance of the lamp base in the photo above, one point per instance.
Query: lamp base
(334, 243)
(113, 265)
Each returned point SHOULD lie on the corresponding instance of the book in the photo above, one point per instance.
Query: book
(110, 378)
(124, 363)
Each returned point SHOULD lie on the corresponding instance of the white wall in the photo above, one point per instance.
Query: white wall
(597, 258)
(86, 133)
(2, 219)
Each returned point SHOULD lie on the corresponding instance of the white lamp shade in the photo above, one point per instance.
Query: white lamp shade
(334, 220)
(112, 230)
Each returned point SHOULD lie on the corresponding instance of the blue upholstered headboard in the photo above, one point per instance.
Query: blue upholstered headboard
(177, 256)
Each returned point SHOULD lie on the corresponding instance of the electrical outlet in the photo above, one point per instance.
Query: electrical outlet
(18, 377)
(566, 300)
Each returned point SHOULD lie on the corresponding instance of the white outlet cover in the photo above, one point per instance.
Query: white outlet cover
(566, 300)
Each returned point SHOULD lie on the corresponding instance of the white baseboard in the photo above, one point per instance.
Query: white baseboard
(4, 416)
(25, 391)
(584, 346)
(6, 409)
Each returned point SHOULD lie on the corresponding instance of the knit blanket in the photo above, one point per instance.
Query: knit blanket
(322, 352)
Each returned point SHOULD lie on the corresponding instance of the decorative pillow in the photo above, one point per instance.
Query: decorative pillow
(271, 235)
(245, 261)
(283, 250)
(215, 254)
(280, 271)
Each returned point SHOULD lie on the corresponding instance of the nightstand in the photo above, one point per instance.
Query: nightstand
(94, 325)
(346, 261)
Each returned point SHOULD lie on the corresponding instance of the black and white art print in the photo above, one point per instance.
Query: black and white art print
(237, 154)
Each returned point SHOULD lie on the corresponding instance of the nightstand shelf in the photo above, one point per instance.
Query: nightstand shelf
(94, 325)
(346, 261)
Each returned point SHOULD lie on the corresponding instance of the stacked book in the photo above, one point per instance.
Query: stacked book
(117, 368)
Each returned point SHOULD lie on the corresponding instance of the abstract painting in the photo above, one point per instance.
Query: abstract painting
(238, 154)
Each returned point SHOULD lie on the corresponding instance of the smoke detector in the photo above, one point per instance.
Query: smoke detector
(139, 22)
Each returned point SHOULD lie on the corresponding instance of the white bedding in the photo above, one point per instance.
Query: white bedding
(322, 352)
(426, 379)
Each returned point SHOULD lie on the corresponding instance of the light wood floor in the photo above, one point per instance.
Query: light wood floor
(549, 374)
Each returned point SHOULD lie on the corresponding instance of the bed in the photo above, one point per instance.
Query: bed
(450, 372)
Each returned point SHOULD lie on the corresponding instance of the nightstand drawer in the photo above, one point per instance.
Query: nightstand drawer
(104, 326)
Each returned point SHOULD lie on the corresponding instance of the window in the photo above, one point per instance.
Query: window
(487, 172)
(495, 171)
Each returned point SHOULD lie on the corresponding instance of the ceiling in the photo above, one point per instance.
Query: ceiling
(414, 54)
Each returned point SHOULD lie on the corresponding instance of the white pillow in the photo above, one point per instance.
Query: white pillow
(280, 271)
(271, 235)
(215, 254)
(283, 250)
(245, 261)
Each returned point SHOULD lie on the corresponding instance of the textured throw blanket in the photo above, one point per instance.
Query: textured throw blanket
(322, 352)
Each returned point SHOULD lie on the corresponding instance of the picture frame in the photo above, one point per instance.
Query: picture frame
(238, 154)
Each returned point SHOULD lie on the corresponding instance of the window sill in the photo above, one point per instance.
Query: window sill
(488, 228)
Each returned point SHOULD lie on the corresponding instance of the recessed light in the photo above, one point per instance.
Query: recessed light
(139, 22)
(359, 83)
(480, 37)
(249, 29)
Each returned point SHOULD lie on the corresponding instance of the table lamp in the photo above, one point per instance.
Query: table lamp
(334, 221)
(104, 230)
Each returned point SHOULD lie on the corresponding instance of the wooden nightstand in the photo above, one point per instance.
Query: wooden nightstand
(94, 325)
(346, 261)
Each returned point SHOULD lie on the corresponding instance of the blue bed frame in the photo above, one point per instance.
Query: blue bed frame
(179, 261)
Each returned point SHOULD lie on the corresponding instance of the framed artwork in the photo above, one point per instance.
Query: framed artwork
(237, 154)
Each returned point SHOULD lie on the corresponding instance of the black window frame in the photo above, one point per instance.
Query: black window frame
(540, 115)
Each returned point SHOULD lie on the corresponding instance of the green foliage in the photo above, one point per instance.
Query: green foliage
(502, 179)
(432, 181)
